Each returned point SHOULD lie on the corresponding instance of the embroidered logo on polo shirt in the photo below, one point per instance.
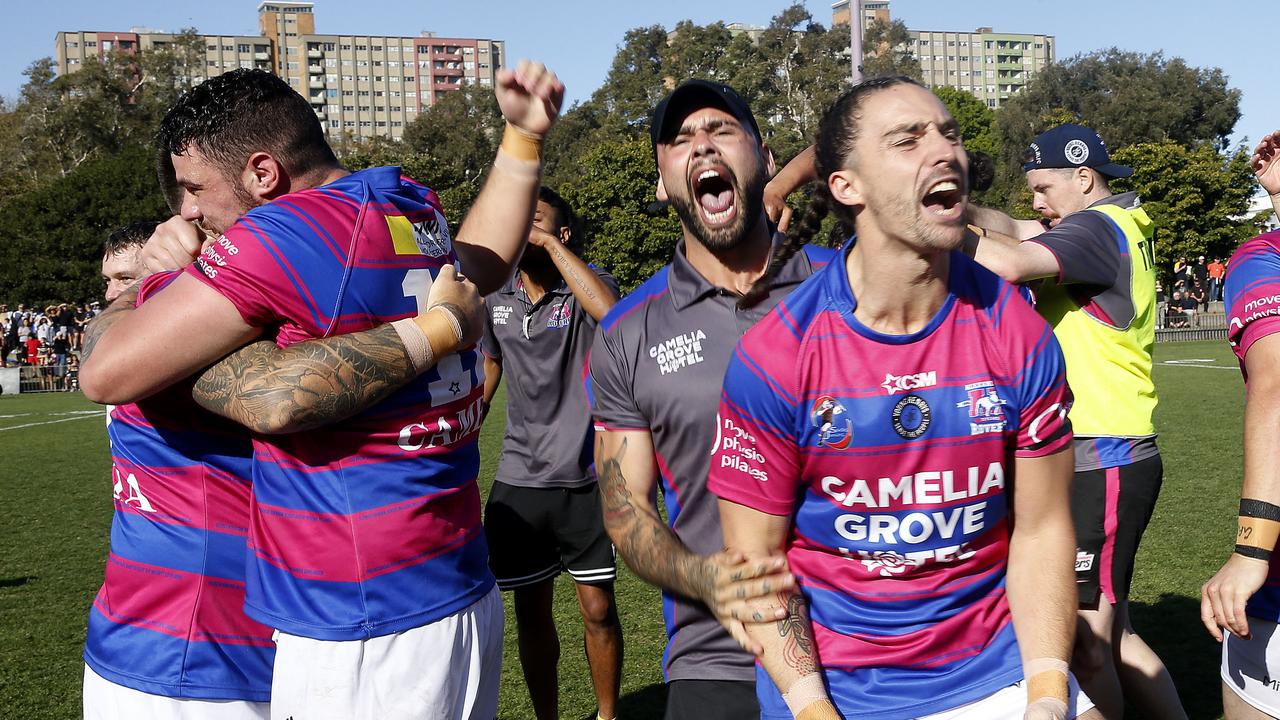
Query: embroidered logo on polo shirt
(501, 313)
(678, 352)
(559, 316)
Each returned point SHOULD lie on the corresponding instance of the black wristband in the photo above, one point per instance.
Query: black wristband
(1256, 553)
(1259, 509)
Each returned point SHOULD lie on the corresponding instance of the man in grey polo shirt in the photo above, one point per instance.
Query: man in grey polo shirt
(543, 513)
(656, 369)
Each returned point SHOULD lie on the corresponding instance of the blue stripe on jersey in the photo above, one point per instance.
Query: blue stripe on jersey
(936, 689)
(404, 597)
(885, 616)
(817, 519)
(654, 287)
(136, 658)
(136, 536)
(286, 268)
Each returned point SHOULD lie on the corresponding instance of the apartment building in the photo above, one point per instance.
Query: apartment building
(362, 85)
(990, 65)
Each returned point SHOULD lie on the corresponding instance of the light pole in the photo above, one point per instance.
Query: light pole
(855, 39)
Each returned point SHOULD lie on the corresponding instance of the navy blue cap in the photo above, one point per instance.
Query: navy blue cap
(1072, 146)
(694, 95)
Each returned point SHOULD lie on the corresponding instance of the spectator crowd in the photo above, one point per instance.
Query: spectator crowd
(48, 339)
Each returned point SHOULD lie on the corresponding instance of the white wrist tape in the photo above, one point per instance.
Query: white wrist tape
(1035, 666)
(415, 343)
(528, 169)
(804, 692)
(454, 321)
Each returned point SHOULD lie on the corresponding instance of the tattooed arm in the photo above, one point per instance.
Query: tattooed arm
(728, 582)
(592, 293)
(310, 384)
(787, 650)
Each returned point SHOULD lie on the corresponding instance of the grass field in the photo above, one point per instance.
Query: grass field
(55, 511)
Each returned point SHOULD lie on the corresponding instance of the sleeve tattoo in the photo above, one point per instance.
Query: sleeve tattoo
(127, 302)
(306, 385)
(797, 634)
(647, 545)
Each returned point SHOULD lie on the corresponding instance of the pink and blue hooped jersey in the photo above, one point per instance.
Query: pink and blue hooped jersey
(371, 525)
(893, 454)
(1252, 294)
(169, 617)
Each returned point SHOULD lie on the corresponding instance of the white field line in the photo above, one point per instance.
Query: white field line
(86, 414)
(1197, 364)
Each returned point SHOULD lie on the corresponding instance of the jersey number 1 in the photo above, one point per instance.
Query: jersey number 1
(454, 381)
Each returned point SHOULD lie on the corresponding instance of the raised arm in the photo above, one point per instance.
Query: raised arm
(493, 234)
(1003, 223)
(1266, 167)
(784, 647)
(317, 382)
(793, 176)
(1223, 597)
(1040, 583)
(726, 582)
(593, 294)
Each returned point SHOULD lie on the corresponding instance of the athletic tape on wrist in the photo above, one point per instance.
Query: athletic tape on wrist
(805, 692)
(521, 145)
(1256, 553)
(1259, 509)
(1052, 707)
(1035, 666)
(1047, 678)
(415, 344)
(1257, 533)
(455, 322)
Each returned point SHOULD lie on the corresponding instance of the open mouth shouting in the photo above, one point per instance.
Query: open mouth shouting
(714, 191)
(944, 199)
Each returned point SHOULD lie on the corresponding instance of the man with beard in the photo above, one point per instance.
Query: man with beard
(656, 367)
(543, 514)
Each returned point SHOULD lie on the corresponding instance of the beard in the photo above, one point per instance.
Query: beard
(906, 212)
(751, 196)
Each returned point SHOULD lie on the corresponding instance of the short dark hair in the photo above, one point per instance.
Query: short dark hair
(231, 116)
(134, 234)
(565, 216)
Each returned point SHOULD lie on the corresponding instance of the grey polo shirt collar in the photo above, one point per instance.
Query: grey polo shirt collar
(687, 286)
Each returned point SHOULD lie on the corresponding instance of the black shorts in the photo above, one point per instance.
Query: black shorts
(711, 700)
(534, 533)
(1110, 509)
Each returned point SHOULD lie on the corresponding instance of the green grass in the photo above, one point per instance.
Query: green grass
(55, 512)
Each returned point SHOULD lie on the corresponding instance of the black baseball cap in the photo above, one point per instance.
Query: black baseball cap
(1072, 146)
(693, 95)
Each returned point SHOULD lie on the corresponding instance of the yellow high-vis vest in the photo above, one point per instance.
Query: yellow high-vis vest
(1109, 367)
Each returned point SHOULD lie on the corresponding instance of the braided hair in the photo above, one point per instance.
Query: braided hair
(837, 134)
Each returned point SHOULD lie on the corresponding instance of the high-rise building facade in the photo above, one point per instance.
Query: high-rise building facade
(362, 85)
(991, 65)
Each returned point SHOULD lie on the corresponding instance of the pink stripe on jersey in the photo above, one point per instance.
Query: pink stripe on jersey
(193, 496)
(313, 545)
(163, 600)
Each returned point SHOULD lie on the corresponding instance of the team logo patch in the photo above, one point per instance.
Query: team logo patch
(824, 416)
(559, 316)
(894, 384)
(985, 408)
(501, 314)
(912, 417)
(886, 562)
(1076, 151)
(432, 236)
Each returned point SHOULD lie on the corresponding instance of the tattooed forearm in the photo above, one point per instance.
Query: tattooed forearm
(648, 546)
(571, 273)
(308, 384)
(126, 303)
(797, 635)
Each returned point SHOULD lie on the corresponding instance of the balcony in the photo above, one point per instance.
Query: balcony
(261, 56)
(314, 53)
(317, 83)
(317, 99)
(315, 69)
(320, 113)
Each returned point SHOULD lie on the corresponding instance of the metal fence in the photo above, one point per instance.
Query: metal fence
(1200, 326)
(48, 378)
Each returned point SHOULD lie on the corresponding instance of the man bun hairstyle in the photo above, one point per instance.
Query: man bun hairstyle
(837, 134)
(229, 117)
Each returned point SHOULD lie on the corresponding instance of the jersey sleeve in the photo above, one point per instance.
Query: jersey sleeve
(241, 268)
(609, 380)
(1252, 295)
(1044, 399)
(755, 460)
(1087, 247)
(154, 283)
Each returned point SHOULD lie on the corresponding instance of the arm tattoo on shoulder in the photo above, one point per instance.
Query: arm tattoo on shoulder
(798, 634)
(93, 332)
(308, 384)
(614, 495)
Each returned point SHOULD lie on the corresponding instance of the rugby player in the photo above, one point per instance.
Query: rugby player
(1098, 293)
(897, 425)
(1243, 598)
(543, 514)
(369, 558)
(656, 366)
(121, 257)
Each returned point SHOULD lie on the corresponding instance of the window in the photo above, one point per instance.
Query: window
(348, 108)
(331, 93)
(411, 93)
(73, 61)
(242, 47)
(348, 78)
(377, 78)
(331, 78)
(90, 43)
(330, 62)
(349, 123)
(991, 103)
(73, 44)
(228, 48)
(396, 123)
(335, 108)
(395, 93)
(291, 50)
(362, 63)
(211, 63)
(394, 79)
(211, 47)
(292, 65)
(364, 93)
(468, 51)
(382, 123)
(346, 63)
(228, 63)
(377, 63)
(246, 64)
(378, 93)
(377, 48)
(346, 46)
(328, 47)
(408, 78)
(362, 78)
(362, 47)
(366, 123)
(364, 108)
(335, 123)
(106, 46)
(348, 93)
(486, 81)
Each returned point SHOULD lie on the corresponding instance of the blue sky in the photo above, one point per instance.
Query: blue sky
(578, 39)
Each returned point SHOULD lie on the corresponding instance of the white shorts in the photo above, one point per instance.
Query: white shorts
(105, 700)
(1247, 666)
(1010, 703)
(447, 670)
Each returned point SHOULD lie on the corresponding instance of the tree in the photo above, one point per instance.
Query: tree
(614, 189)
(977, 121)
(1196, 197)
(886, 50)
(51, 237)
